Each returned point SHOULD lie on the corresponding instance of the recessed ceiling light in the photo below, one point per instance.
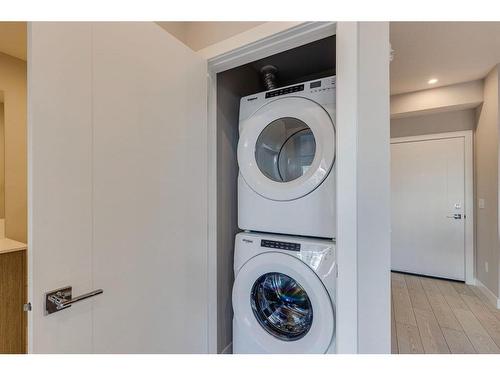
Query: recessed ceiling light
(432, 81)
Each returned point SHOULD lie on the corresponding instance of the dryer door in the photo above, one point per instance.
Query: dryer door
(287, 148)
(282, 305)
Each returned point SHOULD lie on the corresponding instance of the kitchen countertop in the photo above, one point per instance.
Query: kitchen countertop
(7, 245)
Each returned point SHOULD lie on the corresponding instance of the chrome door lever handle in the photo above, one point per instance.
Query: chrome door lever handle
(61, 299)
(455, 216)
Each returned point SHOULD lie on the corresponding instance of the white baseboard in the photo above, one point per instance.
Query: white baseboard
(228, 349)
(488, 293)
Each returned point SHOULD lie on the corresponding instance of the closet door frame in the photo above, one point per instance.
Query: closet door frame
(232, 55)
(362, 114)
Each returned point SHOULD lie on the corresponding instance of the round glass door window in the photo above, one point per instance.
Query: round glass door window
(281, 306)
(285, 149)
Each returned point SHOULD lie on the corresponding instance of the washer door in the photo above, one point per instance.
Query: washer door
(287, 148)
(283, 305)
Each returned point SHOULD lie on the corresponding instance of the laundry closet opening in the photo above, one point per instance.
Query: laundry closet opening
(309, 62)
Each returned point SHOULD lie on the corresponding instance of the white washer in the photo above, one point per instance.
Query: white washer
(286, 156)
(283, 294)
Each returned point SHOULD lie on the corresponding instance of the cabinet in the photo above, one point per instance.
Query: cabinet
(12, 289)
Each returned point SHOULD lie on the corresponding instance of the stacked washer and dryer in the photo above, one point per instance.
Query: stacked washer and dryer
(285, 261)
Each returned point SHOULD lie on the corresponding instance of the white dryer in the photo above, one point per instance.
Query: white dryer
(283, 294)
(286, 156)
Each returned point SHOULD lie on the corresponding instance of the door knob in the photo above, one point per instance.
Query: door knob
(455, 216)
(61, 299)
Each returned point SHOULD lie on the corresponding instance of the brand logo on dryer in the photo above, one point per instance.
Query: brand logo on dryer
(250, 99)
(247, 240)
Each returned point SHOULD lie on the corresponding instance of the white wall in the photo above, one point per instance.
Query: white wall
(118, 188)
(486, 184)
(60, 130)
(454, 97)
(433, 123)
(373, 189)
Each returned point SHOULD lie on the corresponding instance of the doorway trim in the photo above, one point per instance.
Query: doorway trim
(293, 37)
(469, 191)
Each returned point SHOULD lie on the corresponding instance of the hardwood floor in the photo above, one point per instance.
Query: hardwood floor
(438, 316)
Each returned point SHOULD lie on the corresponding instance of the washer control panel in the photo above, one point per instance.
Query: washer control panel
(280, 245)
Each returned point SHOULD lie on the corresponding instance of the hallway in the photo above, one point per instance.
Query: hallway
(438, 316)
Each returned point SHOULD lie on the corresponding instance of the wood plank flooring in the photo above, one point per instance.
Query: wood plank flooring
(441, 317)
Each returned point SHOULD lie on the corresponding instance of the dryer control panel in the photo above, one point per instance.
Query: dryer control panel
(321, 90)
(286, 90)
(280, 245)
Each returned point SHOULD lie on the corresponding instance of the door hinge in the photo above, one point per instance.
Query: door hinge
(27, 306)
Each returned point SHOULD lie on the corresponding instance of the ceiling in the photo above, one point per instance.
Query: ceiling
(198, 35)
(13, 39)
(452, 52)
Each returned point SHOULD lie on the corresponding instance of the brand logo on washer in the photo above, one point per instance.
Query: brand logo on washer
(250, 99)
(247, 240)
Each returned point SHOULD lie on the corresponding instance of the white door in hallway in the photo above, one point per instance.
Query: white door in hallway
(428, 207)
(118, 188)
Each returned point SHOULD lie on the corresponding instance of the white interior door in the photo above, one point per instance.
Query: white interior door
(118, 188)
(428, 199)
